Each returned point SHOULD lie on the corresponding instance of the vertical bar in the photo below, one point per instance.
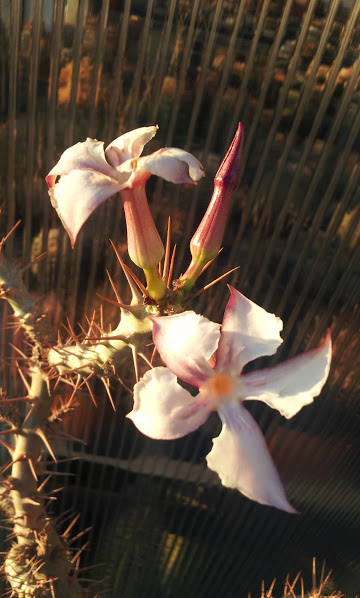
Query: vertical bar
(117, 94)
(31, 118)
(11, 124)
(98, 68)
(224, 79)
(156, 94)
(202, 82)
(135, 92)
(248, 69)
(80, 23)
(182, 75)
(51, 123)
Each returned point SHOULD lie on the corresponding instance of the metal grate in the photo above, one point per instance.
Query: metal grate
(290, 71)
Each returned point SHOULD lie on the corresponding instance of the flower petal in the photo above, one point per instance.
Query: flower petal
(293, 384)
(129, 146)
(186, 342)
(77, 195)
(170, 163)
(163, 409)
(241, 459)
(86, 155)
(248, 332)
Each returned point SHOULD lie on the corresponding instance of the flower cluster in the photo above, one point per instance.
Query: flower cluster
(194, 349)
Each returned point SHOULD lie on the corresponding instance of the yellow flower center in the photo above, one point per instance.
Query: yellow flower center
(219, 388)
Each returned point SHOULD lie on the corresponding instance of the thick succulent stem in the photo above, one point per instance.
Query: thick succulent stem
(105, 356)
(38, 564)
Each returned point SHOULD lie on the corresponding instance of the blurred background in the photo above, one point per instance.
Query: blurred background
(161, 525)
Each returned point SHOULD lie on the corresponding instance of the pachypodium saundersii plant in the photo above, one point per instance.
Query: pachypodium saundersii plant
(192, 348)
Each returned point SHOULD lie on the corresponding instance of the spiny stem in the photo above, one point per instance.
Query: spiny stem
(13, 290)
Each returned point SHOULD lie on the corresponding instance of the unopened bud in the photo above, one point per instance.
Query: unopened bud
(207, 240)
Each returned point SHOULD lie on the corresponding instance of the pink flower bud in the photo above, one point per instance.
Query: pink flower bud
(207, 240)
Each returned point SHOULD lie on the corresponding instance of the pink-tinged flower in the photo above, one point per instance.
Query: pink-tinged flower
(207, 240)
(194, 350)
(89, 175)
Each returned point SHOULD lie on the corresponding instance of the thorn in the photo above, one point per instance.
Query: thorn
(8, 465)
(65, 436)
(25, 399)
(75, 338)
(130, 275)
(168, 282)
(124, 385)
(210, 284)
(41, 434)
(18, 350)
(145, 359)
(26, 384)
(89, 566)
(89, 389)
(35, 571)
(106, 384)
(72, 371)
(15, 326)
(52, 590)
(118, 298)
(90, 324)
(30, 501)
(314, 575)
(4, 239)
(136, 365)
(9, 447)
(10, 431)
(85, 531)
(97, 326)
(83, 331)
(165, 274)
(29, 413)
(211, 261)
(79, 552)
(44, 482)
(34, 261)
(153, 355)
(137, 282)
(55, 491)
(68, 529)
(295, 580)
(31, 465)
(107, 337)
(101, 318)
(269, 592)
(58, 378)
(291, 589)
(121, 305)
(76, 388)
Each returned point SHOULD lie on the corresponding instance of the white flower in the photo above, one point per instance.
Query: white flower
(89, 175)
(194, 349)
